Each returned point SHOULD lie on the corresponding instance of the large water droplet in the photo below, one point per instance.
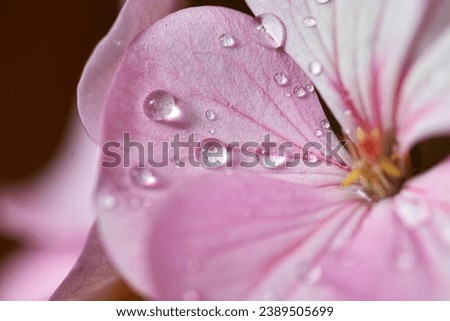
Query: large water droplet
(315, 68)
(325, 124)
(191, 295)
(227, 41)
(280, 79)
(211, 131)
(210, 115)
(143, 177)
(323, 1)
(309, 22)
(299, 92)
(160, 106)
(411, 213)
(107, 202)
(270, 31)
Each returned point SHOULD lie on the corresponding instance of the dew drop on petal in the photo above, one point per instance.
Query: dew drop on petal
(287, 94)
(211, 131)
(323, 1)
(270, 31)
(143, 177)
(309, 275)
(210, 115)
(299, 92)
(309, 22)
(325, 124)
(411, 214)
(191, 295)
(363, 194)
(310, 88)
(280, 79)
(318, 132)
(107, 202)
(160, 106)
(227, 41)
(212, 154)
(314, 275)
(312, 157)
(315, 68)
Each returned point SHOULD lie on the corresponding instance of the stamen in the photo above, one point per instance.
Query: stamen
(377, 167)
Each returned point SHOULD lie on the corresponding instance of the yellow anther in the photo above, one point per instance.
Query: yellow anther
(389, 167)
(361, 135)
(352, 178)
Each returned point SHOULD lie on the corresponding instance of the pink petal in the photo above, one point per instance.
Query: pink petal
(183, 56)
(136, 16)
(361, 46)
(34, 274)
(248, 238)
(402, 250)
(55, 210)
(423, 107)
(93, 277)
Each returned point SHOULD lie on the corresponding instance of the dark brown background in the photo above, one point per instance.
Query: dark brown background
(44, 45)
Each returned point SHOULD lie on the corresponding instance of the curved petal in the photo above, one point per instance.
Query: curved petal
(245, 237)
(55, 210)
(93, 277)
(217, 90)
(425, 98)
(135, 16)
(361, 46)
(402, 251)
(34, 274)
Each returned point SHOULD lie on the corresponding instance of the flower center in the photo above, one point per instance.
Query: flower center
(377, 167)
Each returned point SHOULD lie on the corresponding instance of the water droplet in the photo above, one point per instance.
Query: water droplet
(299, 92)
(143, 177)
(325, 124)
(270, 31)
(287, 94)
(107, 202)
(211, 131)
(191, 295)
(310, 88)
(405, 261)
(315, 68)
(318, 132)
(363, 194)
(194, 266)
(160, 106)
(314, 275)
(118, 43)
(411, 214)
(309, 275)
(280, 78)
(309, 22)
(323, 1)
(347, 131)
(348, 113)
(212, 154)
(210, 115)
(312, 158)
(227, 41)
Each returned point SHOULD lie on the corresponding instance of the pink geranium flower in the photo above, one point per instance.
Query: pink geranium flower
(367, 229)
